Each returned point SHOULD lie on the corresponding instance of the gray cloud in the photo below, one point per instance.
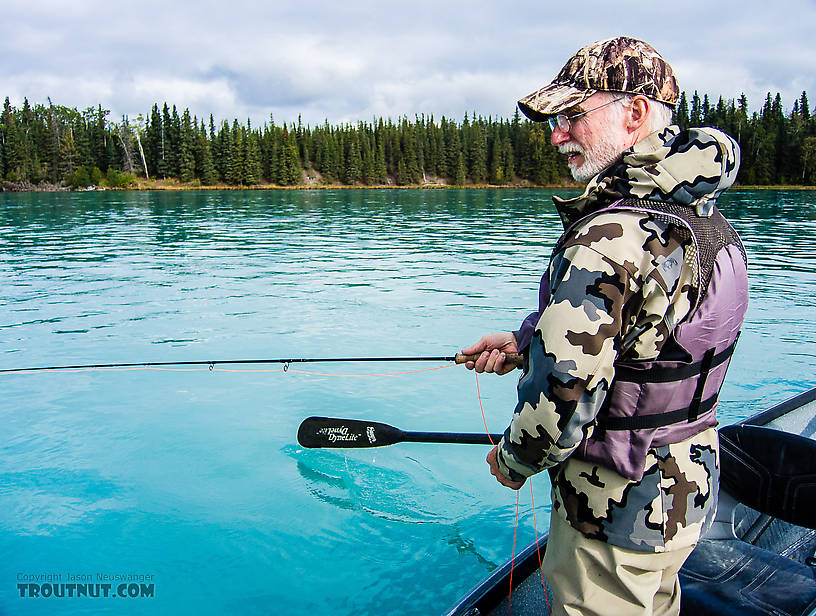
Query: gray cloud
(355, 60)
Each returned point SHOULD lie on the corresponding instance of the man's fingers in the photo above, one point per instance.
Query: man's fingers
(513, 485)
(493, 360)
(491, 350)
(481, 363)
(492, 461)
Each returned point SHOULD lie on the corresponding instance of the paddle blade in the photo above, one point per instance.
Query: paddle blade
(336, 433)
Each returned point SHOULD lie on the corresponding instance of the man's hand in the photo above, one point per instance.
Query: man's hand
(494, 470)
(492, 348)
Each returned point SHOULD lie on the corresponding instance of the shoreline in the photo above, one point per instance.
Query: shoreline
(143, 186)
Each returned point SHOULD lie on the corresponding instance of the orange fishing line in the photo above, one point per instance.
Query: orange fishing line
(538, 549)
(481, 406)
(371, 375)
(513, 557)
(515, 527)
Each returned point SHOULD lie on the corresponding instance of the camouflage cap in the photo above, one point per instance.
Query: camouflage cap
(619, 64)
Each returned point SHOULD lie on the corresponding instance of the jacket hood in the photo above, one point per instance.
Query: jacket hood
(691, 167)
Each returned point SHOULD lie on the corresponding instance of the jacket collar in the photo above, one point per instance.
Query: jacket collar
(691, 167)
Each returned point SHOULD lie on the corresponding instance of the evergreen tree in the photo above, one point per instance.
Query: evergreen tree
(164, 164)
(367, 156)
(16, 156)
(252, 160)
(186, 140)
(705, 111)
(719, 115)
(354, 163)
(5, 122)
(69, 154)
(681, 113)
(477, 160)
(98, 138)
(545, 167)
(496, 169)
(741, 117)
(292, 172)
(235, 171)
(696, 117)
(408, 155)
(431, 147)
(174, 144)
(83, 141)
(401, 177)
(205, 169)
(459, 177)
(380, 169)
(52, 146)
(32, 172)
(453, 149)
(153, 145)
(223, 151)
(507, 158)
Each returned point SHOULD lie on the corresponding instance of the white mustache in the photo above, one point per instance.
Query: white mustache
(567, 148)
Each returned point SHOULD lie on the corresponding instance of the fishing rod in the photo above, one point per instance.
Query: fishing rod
(511, 359)
(331, 432)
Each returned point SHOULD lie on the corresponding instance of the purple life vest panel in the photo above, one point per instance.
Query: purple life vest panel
(674, 396)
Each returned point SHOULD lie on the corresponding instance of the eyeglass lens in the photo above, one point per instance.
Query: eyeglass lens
(561, 121)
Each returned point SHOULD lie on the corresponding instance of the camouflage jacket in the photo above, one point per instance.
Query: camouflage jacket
(607, 300)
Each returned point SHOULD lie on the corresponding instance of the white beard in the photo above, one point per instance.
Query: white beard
(601, 156)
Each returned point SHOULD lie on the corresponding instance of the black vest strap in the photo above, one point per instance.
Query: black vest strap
(669, 375)
(689, 413)
(657, 420)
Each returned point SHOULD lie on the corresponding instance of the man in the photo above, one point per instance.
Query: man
(639, 310)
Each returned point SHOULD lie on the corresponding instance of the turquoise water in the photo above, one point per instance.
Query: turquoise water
(192, 480)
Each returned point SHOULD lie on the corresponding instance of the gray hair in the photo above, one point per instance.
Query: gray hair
(660, 114)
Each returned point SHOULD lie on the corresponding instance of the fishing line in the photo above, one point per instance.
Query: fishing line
(538, 550)
(481, 407)
(513, 557)
(515, 526)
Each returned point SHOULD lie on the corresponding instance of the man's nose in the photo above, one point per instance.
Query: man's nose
(559, 136)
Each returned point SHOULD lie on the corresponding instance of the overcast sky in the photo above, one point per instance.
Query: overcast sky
(350, 60)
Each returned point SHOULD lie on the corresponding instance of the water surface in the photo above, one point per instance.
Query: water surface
(194, 477)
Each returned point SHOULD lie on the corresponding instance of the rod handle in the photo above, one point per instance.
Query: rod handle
(511, 359)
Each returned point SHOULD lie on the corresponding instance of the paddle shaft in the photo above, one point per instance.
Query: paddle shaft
(464, 438)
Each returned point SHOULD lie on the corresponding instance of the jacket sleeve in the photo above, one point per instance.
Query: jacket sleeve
(571, 354)
(524, 334)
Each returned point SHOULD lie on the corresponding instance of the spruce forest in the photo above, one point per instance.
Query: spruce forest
(52, 145)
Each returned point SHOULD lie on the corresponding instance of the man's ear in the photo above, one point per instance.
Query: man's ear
(639, 110)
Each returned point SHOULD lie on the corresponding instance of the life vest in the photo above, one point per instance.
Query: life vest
(671, 398)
